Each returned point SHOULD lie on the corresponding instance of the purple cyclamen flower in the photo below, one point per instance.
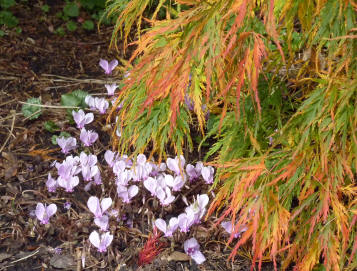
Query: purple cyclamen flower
(127, 193)
(89, 172)
(156, 169)
(88, 137)
(228, 226)
(82, 118)
(108, 67)
(151, 184)
(208, 174)
(110, 157)
(142, 169)
(43, 212)
(194, 173)
(98, 208)
(67, 144)
(169, 229)
(89, 160)
(164, 195)
(173, 164)
(69, 183)
(101, 105)
(198, 207)
(67, 205)
(97, 178)
(111, 88)
(176, 183)
(102, 222)
(192, 248)
(51, 183)
(89, 100)
(101, 242)
(124, 177)
(186, 220)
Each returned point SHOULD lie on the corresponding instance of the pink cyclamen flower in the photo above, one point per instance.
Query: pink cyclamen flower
(68, 184)
(101, 242)
(110, 157)
(194, 172)
(101, 105)
(169, 229)
(51, 183)
(164, 195)
(208, 174)
(151, 184)
(67, 144)
(127, 193)
(89, 100)
(108, 67)
(82, 118)
(176, 164)
(198, 207)
(111, 88)
(228, 226)
(43, 212)
(176, 183)
(88, 137)
(89, 160)
(186, 220)
(102, 222)
(89, 172)
(192, 249)
(98, 208)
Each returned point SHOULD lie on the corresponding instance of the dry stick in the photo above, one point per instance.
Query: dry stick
(51, 106)
(8, 137)
(26, 257)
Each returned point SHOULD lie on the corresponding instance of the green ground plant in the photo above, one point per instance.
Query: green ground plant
(279, 80)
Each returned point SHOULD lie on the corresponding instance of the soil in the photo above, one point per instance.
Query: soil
(40, 63)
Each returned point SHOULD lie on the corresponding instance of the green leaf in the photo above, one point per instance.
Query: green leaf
(71, 26)
(71, 9)
(60, 31)
(8, 19)
(7, 3)
(70, 100)
(45, 8)
(30, 110)
(2, 33)
(51, 126)
(88, 25)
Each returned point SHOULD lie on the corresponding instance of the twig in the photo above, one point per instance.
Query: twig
(51, 106)
(26, 257)
(11, 129)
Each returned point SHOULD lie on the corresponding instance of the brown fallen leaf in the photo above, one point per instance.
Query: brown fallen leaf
(177, 256)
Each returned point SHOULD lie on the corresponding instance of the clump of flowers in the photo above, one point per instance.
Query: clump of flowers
(163, 182)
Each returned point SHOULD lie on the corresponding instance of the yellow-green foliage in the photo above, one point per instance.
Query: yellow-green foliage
(279, 78)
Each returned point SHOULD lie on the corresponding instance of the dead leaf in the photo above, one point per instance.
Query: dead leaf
(62, 262)
(178, 256)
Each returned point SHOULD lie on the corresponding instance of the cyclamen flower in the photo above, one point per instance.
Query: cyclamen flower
(151, 184)
(176, 183)
(98, 208)
(169, 229)
(227, 225)
(111, 88)
(89, 100)
(102, 222)
(110, 157)
(87, 160)
(89, 172)
(67, 144)
(207, 174)
(68, 184)
(194, 173)
(156, 169)
(164, 195)
(43, 212)
(198, 207)
(101, 105)
(192, 249)
(101, 242)
(142, 168)
(173, 164)
(108, 67)
(51, 183)
(127, 193)
(88, 137)
(68, 168)
(186, 220)
(81, 118)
